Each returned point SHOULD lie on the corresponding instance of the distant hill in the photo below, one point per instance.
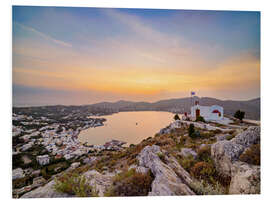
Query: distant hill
(181, 105)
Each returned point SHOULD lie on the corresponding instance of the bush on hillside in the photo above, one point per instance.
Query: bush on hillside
(176, 117)
(74, 184)
(204, 171)
(204, 154)
(200, 118)
(252, 155)
(131, 183)
(191, 129)
(239, 115)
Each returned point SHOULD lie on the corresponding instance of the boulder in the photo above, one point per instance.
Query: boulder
(222, 137)
(245, 179)
(75, 165)
(248, 137)
(101, 182)
(166, 181)
(36, 173)
(225, 152)
(17, 173)
(38, 181)
(188, 152)
(139, 169)
(89, 160)
(204, 145)
(46, 191)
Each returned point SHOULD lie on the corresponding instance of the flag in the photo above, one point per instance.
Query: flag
(192, 93)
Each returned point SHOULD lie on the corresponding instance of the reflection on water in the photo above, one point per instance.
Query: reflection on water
(131, 127)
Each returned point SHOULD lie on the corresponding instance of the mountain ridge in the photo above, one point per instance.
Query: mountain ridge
(181, 105)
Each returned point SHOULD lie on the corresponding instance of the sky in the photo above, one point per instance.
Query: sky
(74, 56)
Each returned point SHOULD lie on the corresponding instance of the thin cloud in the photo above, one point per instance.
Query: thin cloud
(45, 36)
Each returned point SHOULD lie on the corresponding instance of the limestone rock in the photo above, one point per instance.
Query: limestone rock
(246, 179)
(222, 137)
(166, 181)
(248, 137)
(100, 182)
(225, 152)
(75, 165)
(17, 173)
(139, 169)
(89, 160)
(47, 191)
(38, 181)
(187, 152)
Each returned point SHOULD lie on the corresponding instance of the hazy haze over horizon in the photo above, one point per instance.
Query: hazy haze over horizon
(88, 55)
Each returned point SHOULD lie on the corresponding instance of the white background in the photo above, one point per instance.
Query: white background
(6, 88)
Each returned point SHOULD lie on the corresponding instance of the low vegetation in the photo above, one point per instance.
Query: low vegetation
(200, 119)
(187, 162)
(130, 183)
(203, 188)
(252, 155)
(74, 184)
(176, 117)
(20, 182)
(239, 115)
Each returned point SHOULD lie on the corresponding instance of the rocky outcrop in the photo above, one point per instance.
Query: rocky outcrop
(170, 128)
(17, 173)
(188, 152)
(100, 182)
(245, 178)
(47, 191)
(139, 169)
(225, 153)
(222, 137)
(166, 181)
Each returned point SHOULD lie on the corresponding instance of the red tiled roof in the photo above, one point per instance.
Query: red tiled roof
(215, 111)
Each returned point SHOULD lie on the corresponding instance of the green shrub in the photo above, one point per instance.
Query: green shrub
(252, 155)
(239, 115)
(200, 119)
(191, 129)
(203, 171)
(229, 137)
(207, 135)
(74, 184)
(131, 183)
(203, 188)
(21, 182)
(217, 131)
(195, 134)
(192, 132)
(176, 117)
(204, 154)
(187, 162)
(161, 156)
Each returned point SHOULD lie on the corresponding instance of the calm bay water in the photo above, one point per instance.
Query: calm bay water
(122, 126)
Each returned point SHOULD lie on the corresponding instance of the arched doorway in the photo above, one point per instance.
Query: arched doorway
(197, 113)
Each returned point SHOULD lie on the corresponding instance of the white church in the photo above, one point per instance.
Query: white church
(209, 113)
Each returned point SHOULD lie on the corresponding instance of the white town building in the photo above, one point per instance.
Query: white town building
(43, 159)
(209, 113)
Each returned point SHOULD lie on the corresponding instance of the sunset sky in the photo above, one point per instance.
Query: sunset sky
(87, 55)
